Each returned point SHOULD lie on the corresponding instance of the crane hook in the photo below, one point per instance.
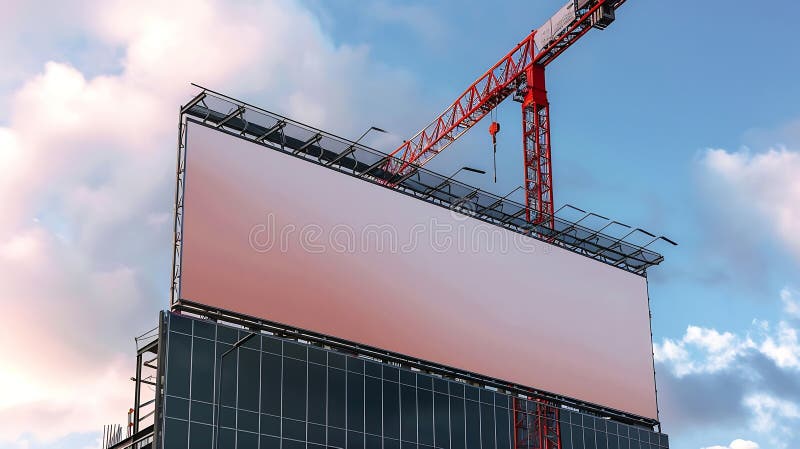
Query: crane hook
(494, 128)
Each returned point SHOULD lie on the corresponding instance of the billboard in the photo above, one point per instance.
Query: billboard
(273, 236)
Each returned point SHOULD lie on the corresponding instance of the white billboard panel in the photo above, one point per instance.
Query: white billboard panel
(272, 236)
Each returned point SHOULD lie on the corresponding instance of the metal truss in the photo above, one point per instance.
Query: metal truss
(521, 73)
(536, 424)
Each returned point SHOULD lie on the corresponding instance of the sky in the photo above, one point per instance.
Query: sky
(680, 118)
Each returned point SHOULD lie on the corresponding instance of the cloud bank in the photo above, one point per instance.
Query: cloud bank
(86, 181)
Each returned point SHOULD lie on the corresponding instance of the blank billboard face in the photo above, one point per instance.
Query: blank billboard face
(279, 238)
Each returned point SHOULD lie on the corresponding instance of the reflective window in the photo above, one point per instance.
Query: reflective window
(280, 394)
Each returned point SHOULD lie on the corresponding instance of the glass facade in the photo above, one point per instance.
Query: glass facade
(281, 394)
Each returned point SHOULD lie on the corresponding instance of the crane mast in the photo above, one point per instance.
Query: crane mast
(519, 73)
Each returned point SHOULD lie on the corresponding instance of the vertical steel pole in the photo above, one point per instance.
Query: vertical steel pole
(538, 182)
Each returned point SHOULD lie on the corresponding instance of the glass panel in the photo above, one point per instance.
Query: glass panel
(336, 398)
(372, 442)
(503, 427)
(408, 409)
(203, 370)
(501, 400)
(566, 435)
(391, 373)
(271, 344)
(295, 430)
(178, 358)
(227, 376)
(372, 405)
(201, 436)
(487, 426)
(177, 408)
(249, 367)
(372, 369)
(294, 388)
(588, 439)
(271, 383)
(202, 412)
(440, 385)
(473, 422)
(613, 442)
(228, 335)
(355, 365)
(227, 438)
(441, 420)
(227, 417)
(246, 440)
(176, 433)
(295, 350)
(317, 400)
(205, 329)
(425, 414)
(247, 421)
(290, 444)
(355, 401)
(577, 438)
(602, 440)
(270, 442)
(355, 440)
(390, 443)
(457, 423)
(391, 409)
(336, 437)
(336, 360)
(424, 381)
(408, 377)
(317, 356)
(316, 434)
(180, 324)
(271, 425)
(600, 424)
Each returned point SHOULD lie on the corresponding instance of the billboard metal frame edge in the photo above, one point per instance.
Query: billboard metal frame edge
(178, 304)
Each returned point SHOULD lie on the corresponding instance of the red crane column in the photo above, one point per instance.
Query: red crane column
(536, 148)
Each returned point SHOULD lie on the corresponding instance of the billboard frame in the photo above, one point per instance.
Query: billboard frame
(620, 252)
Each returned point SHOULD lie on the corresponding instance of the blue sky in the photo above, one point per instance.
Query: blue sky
(680, 118)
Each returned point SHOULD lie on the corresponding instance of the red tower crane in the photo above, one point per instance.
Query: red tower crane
(520, 73)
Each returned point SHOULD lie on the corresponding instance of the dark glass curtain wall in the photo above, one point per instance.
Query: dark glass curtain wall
(280, 394)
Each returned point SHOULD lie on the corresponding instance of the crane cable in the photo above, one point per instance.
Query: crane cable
(494, 128)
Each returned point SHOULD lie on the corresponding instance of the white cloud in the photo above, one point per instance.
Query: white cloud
(748, 374)
(791, 302)
(86, 178)
(766, 183)
(782, 348)
(737, 444)
(701, 350)
(777, 418)
(706, 350)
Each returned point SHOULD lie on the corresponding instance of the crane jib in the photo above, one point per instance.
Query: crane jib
(506, 77)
